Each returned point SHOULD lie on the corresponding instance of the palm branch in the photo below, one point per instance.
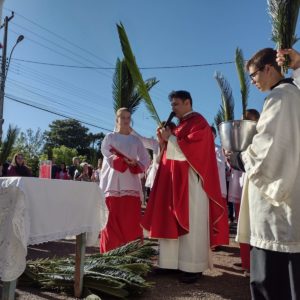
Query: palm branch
(135, 72)
(117, 273)
(243, 78)
(7, 145)
(219, 117)
(227, 97)
(284, 15)
(125, 93)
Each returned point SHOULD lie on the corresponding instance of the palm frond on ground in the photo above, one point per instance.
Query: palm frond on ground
(118, 273)
(7, 145)
(125, 92)
(284, 15)
(243, 78)
(227, 107)
(135, 72)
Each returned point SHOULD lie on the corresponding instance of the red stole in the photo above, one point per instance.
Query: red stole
(167, 213)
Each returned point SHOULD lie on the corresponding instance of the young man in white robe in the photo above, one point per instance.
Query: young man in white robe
(270, 208)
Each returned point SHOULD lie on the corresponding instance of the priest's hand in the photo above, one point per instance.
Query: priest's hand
(294, 57)
(165, 133)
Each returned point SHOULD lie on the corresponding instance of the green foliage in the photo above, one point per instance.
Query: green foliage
(226, 112)
(6, 146)
(135, 72)
(30, 143)
(284, 15)
(117, 273)
(125, 92)
(243, 78)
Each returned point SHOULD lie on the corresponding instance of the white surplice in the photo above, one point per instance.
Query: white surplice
(190, 252)
(221, 162)
(270, 208)
(113, 182)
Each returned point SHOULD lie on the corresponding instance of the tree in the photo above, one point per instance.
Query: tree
(125, 91)
(7, 145)
(69, 133)
(30, 143)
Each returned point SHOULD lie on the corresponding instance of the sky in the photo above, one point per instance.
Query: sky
(65, 63)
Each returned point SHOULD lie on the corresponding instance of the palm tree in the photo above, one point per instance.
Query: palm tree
(243, 78)
(125, 91)
(226, 111)
(7, 145)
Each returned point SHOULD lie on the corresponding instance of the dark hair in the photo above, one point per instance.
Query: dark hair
(252, 114)
(266, 56)
(183, 95)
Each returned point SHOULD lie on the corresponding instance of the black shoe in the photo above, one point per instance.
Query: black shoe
(188, 277)
(161, 271)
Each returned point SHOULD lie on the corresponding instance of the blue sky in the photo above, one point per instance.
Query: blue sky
(162, 33)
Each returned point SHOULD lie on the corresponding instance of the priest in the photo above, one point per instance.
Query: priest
(186, 211)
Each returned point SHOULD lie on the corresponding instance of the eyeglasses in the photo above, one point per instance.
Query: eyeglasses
(252, 75)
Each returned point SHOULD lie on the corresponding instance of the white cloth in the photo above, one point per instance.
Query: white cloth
(221, 162)
(113, 182)
(296, 77)
(34, 210)
(152, 144)
(270, 208)
(189, 253)
(236, 180)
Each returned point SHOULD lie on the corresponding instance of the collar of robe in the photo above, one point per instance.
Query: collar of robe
(282, 81)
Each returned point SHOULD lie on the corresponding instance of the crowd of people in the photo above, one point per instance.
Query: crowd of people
(197, 188)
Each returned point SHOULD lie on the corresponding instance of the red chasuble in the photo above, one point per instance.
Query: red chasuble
(167, 213)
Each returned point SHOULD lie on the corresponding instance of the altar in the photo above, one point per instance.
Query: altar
(34, 211)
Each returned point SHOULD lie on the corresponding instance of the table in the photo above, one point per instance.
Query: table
(35, 210)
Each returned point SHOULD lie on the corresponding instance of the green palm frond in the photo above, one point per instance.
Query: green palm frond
(125, 92)
(117, 273)
(135, 72)
(243, 78)
(7, 145)
(284, 15)
(227, 97)
(219, 117)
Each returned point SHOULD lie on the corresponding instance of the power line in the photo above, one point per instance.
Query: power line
(111, 68)
(53, 112)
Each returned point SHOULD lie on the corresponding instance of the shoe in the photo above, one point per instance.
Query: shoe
(161, 271)
(189, 278)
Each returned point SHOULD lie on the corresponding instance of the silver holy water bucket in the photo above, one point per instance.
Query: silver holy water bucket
(237, 135)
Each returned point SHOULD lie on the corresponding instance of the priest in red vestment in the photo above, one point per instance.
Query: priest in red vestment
(186, 211)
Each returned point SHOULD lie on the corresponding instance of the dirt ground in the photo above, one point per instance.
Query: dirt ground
(225, 281)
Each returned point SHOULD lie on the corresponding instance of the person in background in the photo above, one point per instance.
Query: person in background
(270, 207)
(124, 158)
(75, 166)
(84, 174)
(221, 162)
(54, 169)
(62, 173)
(18, 167)
(186, 211)
(97, 173)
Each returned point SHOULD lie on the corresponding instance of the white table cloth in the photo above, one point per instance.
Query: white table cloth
(34, 210)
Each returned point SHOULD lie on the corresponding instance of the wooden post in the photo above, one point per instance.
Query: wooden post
(8, 290)
(79, 264)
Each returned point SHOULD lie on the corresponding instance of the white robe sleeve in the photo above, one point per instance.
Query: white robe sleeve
(173, 150)
(271, 161)
(105, 149)
(296, 77)
(143, 156)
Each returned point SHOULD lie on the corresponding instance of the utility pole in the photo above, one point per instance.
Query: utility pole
(3, 70)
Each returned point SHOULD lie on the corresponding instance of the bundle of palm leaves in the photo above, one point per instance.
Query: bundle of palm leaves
(284, 15)
(118, 272)
(226, 111)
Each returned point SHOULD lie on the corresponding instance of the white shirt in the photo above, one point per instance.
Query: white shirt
(113, 182)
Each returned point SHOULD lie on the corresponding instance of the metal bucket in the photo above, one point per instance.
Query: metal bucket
(237, 135)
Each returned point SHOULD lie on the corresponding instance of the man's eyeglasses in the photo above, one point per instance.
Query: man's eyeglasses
(252, 75)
